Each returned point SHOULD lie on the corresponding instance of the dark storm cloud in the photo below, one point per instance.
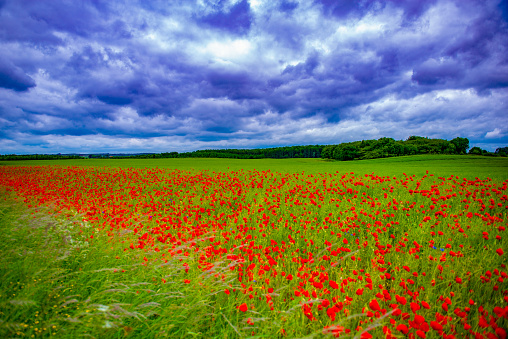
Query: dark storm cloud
(37, 21)
(236, 19)
(477, 42)
(329, 84)
(152, 83)
(304, 69)
(433, 72)
(287, 6)
(234, 85)
(477, 59)
(13, 77)
(82, 18)
(343, 9)
(157, 75)
(503, 7)
(413, 9)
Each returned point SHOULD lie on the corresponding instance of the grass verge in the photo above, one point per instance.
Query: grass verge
(58, 282)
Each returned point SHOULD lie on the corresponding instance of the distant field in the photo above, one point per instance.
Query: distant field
(222, 248)
(441, 165)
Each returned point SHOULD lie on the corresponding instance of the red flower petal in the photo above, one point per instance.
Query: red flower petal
(243, 307)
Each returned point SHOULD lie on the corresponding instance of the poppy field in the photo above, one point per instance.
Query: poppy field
(149, 252)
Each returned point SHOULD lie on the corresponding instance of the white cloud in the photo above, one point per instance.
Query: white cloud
(496, 133)
(229, 50)
(127, 120)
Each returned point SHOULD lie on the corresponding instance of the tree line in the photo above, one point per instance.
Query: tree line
(389, 147)
(365, 149)
(310, 151)
(501, 151)
(38, 157)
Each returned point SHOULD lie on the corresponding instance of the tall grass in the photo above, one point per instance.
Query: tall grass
(57, 282)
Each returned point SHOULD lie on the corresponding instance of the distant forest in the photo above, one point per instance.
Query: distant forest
(365, 149)
(388, 147)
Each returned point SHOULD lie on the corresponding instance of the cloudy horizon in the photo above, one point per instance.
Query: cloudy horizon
(154, 76)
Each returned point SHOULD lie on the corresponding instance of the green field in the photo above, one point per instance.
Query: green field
(441, 165)
(219, 248)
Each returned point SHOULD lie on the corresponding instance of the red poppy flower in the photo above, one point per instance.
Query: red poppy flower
(415, 307)
(374, 305)
(501, 333)
(243, 307)
(402, 328)
(436, 326)
(400, 300)
(317, 284)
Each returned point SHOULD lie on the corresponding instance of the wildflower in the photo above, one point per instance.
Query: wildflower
(374, 305)
(402, 328)
(317, 284)
(415, 307)
(243, 307)
(400, 300)
(436, 326)
(421, 334)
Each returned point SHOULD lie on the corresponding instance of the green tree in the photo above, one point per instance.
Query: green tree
(461, 145)
(451, 149)
(476, 151)
(346, 152)
(327, 152)
(502, 151)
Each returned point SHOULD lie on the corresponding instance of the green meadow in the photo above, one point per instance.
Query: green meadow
(467, 166)
(222, 248)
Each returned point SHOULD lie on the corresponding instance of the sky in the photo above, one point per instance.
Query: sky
(111, 76)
